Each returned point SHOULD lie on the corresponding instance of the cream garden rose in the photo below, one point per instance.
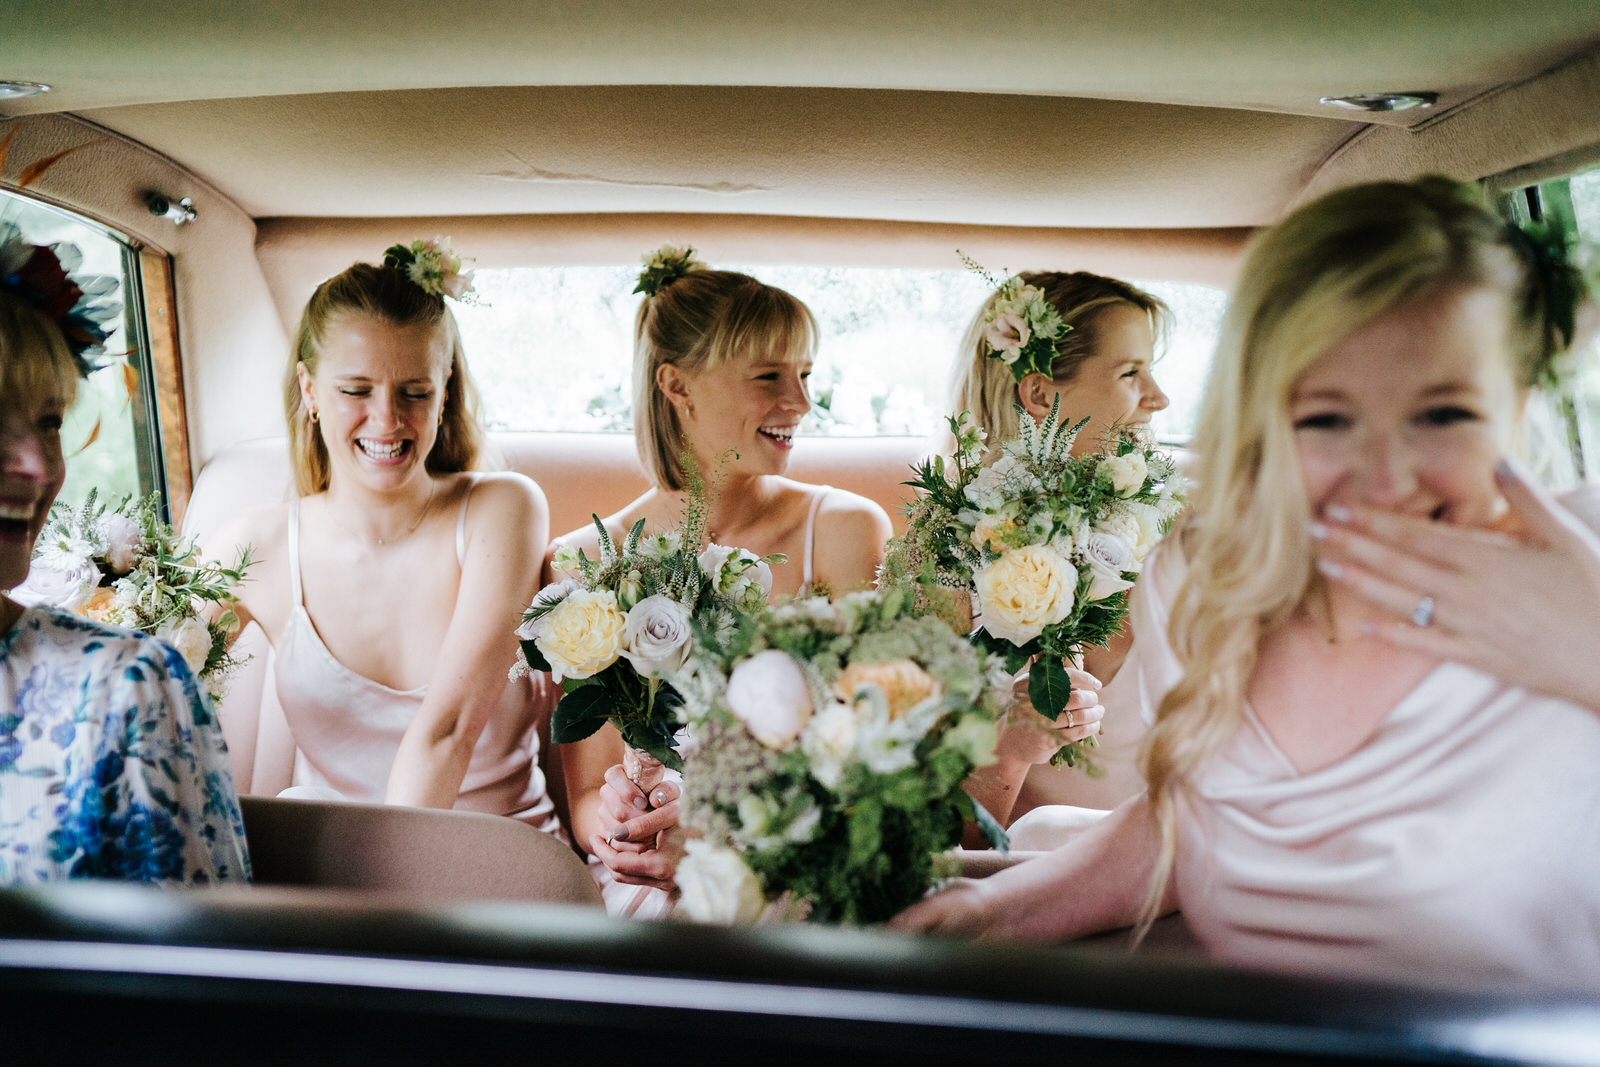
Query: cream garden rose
(581, 636)
(192, 641)
(1024, 591)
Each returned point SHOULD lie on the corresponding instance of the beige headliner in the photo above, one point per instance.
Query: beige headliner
(784, 107)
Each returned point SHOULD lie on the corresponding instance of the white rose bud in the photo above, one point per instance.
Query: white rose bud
(1127, 473)
(828, 742)
(655, 637)
(717, 886)
(193, 642)
(768, 693)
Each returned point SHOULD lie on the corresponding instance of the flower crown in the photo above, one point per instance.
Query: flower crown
(664, 266)
(1020, 327)
(42, 275)
(433, 267)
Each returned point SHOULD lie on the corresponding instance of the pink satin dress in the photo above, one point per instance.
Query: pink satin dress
(347, 727)
(1460, 845)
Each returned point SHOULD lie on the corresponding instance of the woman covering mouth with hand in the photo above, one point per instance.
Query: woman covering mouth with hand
(719, 378)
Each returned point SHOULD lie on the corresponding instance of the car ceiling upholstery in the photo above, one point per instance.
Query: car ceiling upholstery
(1144, 113)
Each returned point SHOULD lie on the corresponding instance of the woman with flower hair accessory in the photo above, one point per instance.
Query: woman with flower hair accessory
(1319, 799)
(112, 763)
(719, 382)
(389, 585)
(1087, 341)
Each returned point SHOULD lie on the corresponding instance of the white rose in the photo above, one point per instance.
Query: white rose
(581, 636)
(768, 693)
(123, 540)
(1024, 591)
(717, 886)
(712, 560)
(655, 638)
(1108, 555)
(64, 588)
(192, 641)
(829, 740)
(1148, 518)
(1127, 473)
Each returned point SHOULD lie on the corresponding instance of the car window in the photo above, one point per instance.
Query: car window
(110, 433)
(551, 347)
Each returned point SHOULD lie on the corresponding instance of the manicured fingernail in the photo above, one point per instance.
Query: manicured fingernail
(1504, 470)
(1317, 530)
(1329, 568)
(1338, 513)
(641, 803)
(659, 797)
(621, 833)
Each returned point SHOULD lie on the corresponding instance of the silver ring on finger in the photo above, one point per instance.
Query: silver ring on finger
(1069, 718)
(1422, 614)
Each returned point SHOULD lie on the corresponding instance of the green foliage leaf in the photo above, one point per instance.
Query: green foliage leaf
(581, 712)
(535, 658)
(1049, 687)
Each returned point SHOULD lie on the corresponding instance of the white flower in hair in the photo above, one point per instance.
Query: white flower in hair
(433, 266)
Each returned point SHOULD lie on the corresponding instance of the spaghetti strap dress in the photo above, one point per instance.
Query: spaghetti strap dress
(347, 727)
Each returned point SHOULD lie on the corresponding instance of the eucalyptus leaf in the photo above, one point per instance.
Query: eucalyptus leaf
(993, 832)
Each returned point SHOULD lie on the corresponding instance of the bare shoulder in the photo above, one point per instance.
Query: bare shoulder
(851, 533)
(508, 495)
(264, 529)
(845, 514)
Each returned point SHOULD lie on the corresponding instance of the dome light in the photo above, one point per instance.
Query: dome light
(1382, 101)
(10, 90)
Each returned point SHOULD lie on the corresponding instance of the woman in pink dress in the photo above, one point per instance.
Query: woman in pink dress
(721, 363)
(1103, 371)
(1321, 796)
(391, 585)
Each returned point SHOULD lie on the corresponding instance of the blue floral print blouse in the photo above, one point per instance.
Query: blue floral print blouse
(112, 764)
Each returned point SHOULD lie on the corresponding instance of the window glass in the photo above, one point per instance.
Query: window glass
(552, 347)
(1584, 190)
(109, 433)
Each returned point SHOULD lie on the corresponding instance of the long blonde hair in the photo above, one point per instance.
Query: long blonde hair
(703, 319)
(386, 294)
(1325, 271)
(985, 386)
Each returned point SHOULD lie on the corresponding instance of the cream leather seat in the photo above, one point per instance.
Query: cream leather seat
(444, 855)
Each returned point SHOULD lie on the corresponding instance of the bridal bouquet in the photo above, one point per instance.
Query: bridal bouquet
(123, 565)
(1046, 542)
(617, 633)
(828, 746)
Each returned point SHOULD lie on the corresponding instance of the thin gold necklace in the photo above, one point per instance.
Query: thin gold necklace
(433, 489)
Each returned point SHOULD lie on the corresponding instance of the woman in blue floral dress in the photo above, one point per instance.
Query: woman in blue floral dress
(112, 764)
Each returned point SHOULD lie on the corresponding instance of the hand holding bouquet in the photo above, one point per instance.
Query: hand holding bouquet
(829, 744)
(616, 633)
(124, 566)
(1046, 542)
